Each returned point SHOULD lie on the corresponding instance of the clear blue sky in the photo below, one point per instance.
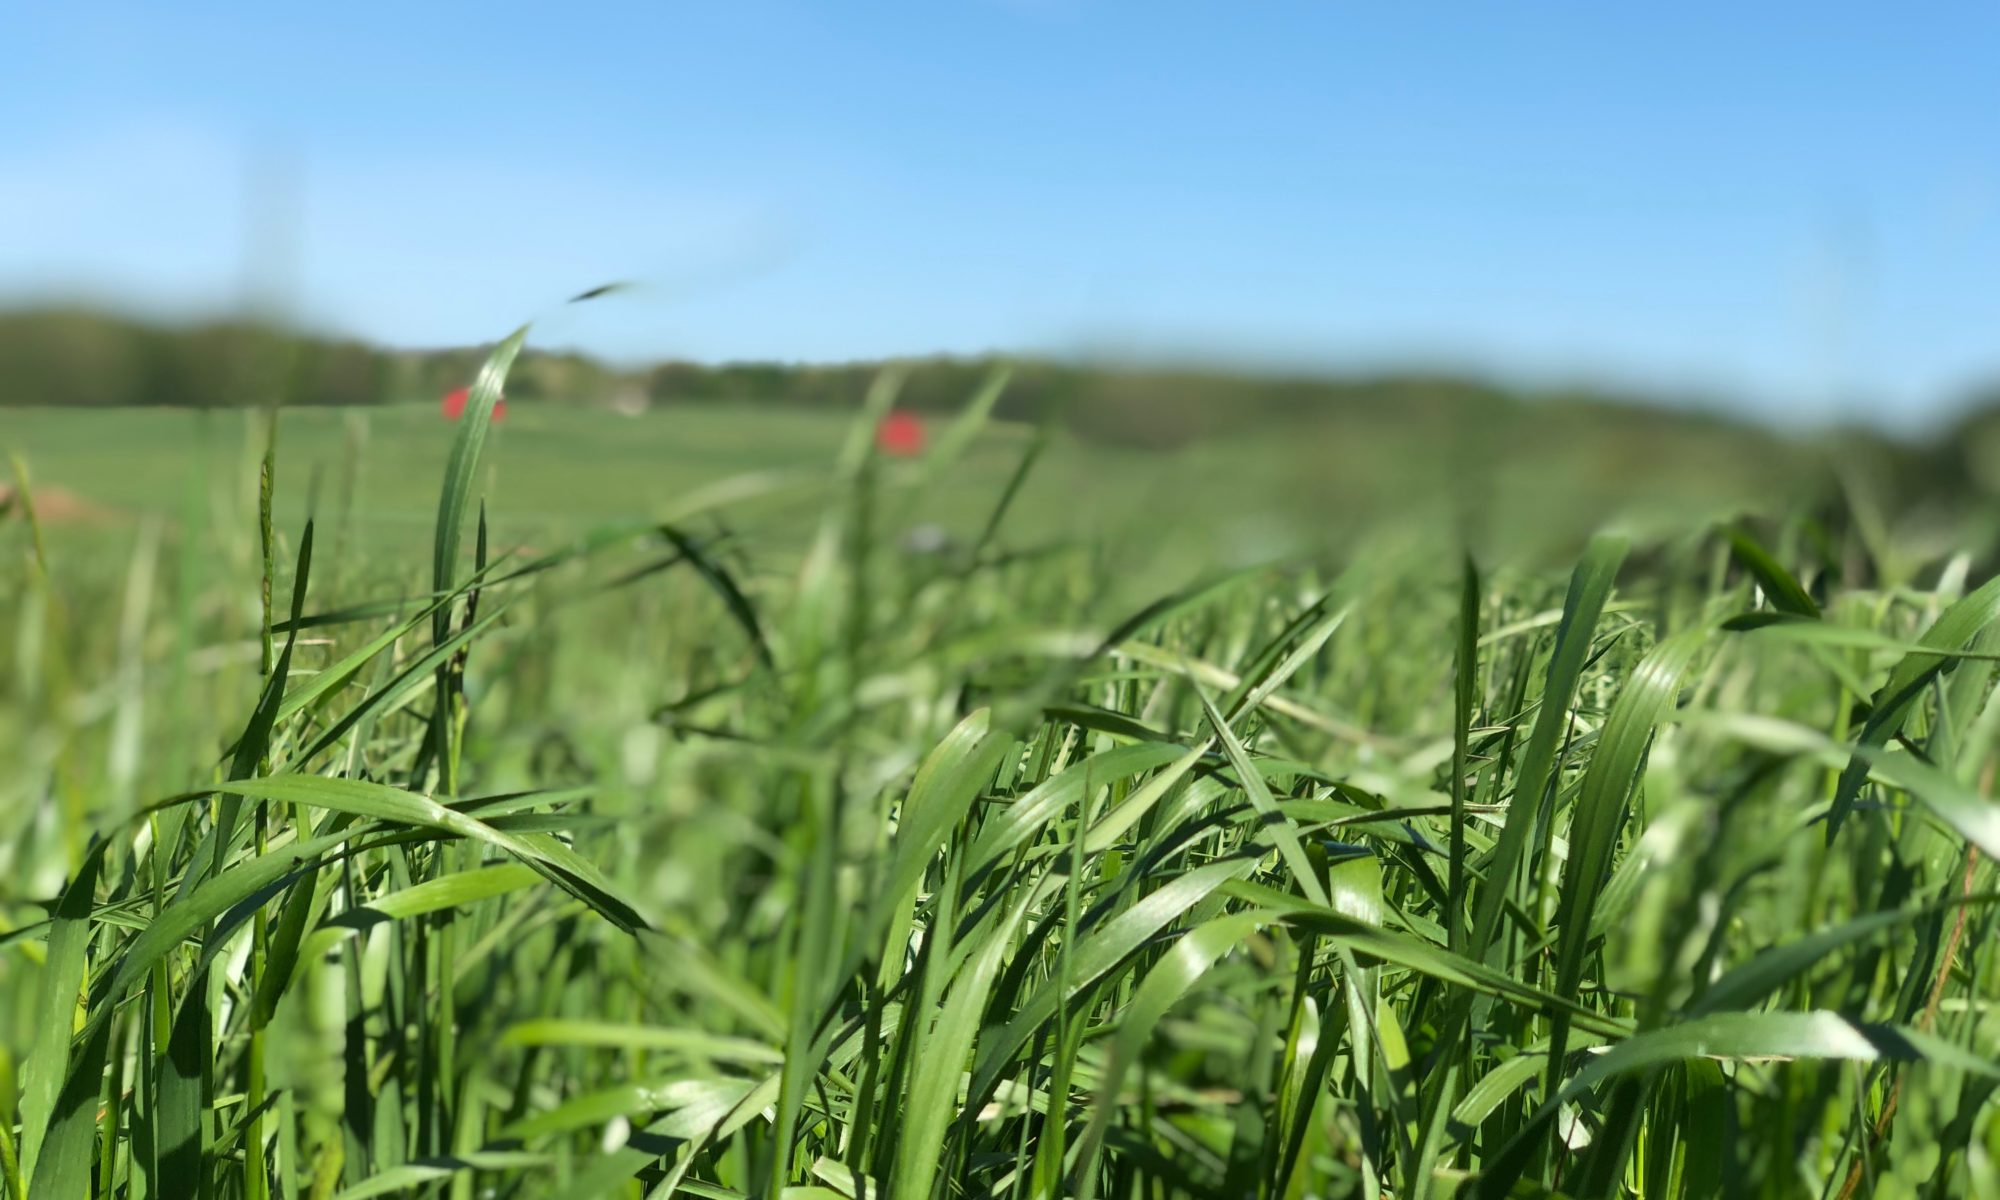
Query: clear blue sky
(1798, 203)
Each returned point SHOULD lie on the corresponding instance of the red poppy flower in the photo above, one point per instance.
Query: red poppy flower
(900, 434)
(456, 399)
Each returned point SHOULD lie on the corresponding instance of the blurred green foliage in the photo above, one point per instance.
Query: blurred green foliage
(77, 356)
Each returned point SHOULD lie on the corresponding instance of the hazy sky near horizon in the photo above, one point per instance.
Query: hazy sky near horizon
(1798, 204)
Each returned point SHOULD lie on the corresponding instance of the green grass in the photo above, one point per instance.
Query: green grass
(558, 470)
(475, 843)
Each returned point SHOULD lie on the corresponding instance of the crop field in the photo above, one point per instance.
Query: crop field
(589, 806)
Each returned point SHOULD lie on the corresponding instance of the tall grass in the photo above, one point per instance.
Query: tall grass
(650, 865)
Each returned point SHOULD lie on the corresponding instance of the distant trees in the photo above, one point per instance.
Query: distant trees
(81, 357)
(78, 356)
(59, 357)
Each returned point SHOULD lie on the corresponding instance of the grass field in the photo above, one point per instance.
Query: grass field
(646, 833)
(557, 470)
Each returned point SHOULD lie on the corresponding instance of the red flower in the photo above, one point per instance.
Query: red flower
(455, 401)
(900, 434)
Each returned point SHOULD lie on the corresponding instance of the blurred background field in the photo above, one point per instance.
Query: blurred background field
(1237, 462)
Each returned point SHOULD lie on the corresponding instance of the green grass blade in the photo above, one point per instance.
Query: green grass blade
(1599, 819)
(1170, 979)
(1279, 827)
(411, 1177)
(462, 467)
(1589, 586)
(1898, 697)
(1779, 586)
(554, 1031)
(381, 802)
(60, 989)
(1772, 968)
(934, 1089)
(1733, 1036)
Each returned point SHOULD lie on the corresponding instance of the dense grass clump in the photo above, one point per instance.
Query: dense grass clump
(652, 862)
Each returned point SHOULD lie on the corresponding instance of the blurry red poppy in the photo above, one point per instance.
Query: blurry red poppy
(900, 434)
(456, 399)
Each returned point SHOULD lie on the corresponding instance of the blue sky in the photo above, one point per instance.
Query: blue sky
(1795, 204)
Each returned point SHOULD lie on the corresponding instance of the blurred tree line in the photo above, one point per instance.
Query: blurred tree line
(69, 356)
(78, 356)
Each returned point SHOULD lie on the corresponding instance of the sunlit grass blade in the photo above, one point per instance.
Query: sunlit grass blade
(1778, 585)
(408, 1178)
(463, 465)
(1279, 827)
(61, 988)
(1589, 585)
(360, 798)
(1898, 697)
(1799, 1035)
(576, 1032)
(1599, 816)
(1171, 977)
